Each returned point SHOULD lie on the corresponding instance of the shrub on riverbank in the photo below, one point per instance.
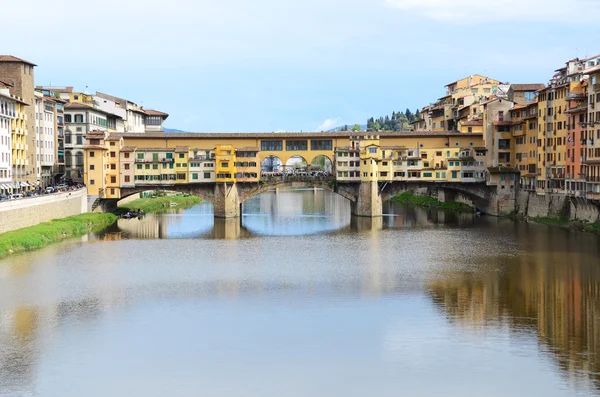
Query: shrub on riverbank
(431, 202)
(45, 233)
(158, 204)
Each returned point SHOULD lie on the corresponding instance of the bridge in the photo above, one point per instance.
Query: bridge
(366, 168)
(366, 198)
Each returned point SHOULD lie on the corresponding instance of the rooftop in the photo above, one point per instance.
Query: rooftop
(152, 112)
(10, 58)
(527, 87)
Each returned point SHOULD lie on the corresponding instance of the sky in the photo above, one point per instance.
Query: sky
(311, 65)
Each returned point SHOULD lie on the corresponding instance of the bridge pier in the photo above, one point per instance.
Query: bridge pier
(368, 202)
(227, 202)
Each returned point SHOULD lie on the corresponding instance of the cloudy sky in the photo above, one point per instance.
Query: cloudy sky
(269, 65)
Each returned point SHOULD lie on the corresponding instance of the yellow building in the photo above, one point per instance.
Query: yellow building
(524, 131)
(19, 135)
(552, 121)
(182, 164)
(225, 161)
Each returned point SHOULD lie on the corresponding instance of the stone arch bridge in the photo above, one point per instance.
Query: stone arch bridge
(366, 198)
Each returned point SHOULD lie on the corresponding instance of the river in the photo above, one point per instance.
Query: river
(301, 299)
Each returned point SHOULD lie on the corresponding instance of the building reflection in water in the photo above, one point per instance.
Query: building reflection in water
(552, 292)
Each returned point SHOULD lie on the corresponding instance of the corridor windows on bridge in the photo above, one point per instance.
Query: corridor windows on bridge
(194, 176)
(373, 150)
(296, 145)
(321, 144)
(207, 175)
(271, 146)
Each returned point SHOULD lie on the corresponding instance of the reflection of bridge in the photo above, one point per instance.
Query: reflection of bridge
(366, 198)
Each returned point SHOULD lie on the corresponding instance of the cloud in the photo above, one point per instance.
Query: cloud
(472, 12)
(328, 124)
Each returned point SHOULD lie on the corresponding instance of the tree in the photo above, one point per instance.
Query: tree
(377, 126)
(345, 127)
(356, 128)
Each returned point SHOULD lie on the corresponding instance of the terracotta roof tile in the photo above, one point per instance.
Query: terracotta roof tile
(527, 87)
(182, 149)
(152, 112)
(10, 58)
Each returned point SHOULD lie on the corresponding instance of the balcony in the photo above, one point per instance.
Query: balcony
(595, 179)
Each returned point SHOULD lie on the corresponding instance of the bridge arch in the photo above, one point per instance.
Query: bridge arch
(205, 192)
(322, 161)
(296, 162)
(246, 193)
(271, 163)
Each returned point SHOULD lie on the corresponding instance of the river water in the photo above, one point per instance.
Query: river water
(301, 299)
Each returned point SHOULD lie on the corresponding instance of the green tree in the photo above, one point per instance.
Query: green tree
(356, 128)
(377, 126)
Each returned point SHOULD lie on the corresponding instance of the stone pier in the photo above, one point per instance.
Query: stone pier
(368, 202)
(226, 203)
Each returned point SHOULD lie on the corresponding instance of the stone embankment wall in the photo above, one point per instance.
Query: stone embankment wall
(28, 212)
(557, 206)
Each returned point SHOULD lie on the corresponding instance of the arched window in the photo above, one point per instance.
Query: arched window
(79, 159)
(68, 158)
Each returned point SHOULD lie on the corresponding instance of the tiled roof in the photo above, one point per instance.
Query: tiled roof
(13, 98)
(95, 147)
(10, 58)
(502, 123)
(152, 112)
(248, 149)
(128, 149)
(182, 149)
(527, 87)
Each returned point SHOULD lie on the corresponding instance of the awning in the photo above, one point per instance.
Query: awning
(24, 184)
(5, 186)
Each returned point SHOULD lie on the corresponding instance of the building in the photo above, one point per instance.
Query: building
(46, 127)
(19, 75)
(523, 94)
(591, 162)
(524, 130)
(8, 115)
(80, 120)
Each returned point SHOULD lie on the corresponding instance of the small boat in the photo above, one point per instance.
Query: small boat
(478, 212)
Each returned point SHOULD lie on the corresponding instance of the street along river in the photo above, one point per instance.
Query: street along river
(301, 299)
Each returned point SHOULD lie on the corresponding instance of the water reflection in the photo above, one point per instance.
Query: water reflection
(359, 306)
(551, 291)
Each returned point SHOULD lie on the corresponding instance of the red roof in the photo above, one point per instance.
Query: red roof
(10, 58)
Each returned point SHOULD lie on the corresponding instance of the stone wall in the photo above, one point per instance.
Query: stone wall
(17, 214)
(557, 206)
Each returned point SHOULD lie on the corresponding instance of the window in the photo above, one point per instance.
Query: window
(321, 144)
(91, 154)
(113, 179)
(180, 177)
(79, 118)
(92, 167)
(224, 164)
(271, 145)
(79, 140)
(195, 176)
(373, 150)
(427, 175)
(113, 154)
(147, 166)
(454, 174)
(139, 166)
(169, 155)
(140, 156)
(207, 175)
(126, 166)
(113, 166)
(181, 155)
(92, 182)
(154, 166)
(126, 155)
(127, 178)
(112, 144)
(296, 145)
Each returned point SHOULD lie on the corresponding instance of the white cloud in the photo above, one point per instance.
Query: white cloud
(328, 124)
(471, 12)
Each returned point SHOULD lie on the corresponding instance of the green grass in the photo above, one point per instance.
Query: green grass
(593, 228)
(46, 233)
(552, 221)
(431, 202)
(159, 204)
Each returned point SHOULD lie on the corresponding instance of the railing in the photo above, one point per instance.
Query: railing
(281, 177)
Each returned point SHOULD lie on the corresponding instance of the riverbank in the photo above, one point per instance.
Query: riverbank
(569, 224)
(431, 202)
(158, 204)
(43, 234)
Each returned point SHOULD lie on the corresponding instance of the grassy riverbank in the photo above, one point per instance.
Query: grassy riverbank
(158, 204)
(431, 202)
(569, 224)
(46, 233)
